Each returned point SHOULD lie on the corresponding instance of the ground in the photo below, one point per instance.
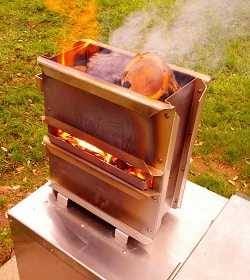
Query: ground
(29, 28)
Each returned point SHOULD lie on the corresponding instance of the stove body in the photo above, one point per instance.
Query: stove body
(153, 136)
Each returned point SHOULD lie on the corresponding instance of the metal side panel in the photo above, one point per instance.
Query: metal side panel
(189, 138)
(54, 242)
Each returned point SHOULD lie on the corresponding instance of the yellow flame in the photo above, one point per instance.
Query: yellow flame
(81, 23)
(90, 147)
(85, 145)
(106, 157)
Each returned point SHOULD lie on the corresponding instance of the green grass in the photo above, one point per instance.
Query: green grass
(214, 183)
(27, 29)
(2, 201)
(112, 12)
(226, 116)
(5, 237)
(225, 129)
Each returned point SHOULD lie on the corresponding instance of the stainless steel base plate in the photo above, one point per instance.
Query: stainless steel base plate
(54, 242)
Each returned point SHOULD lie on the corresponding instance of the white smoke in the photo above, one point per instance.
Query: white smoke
(197, 23)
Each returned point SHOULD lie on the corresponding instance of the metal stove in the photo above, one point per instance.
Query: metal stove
(108, 210)
(152, 136)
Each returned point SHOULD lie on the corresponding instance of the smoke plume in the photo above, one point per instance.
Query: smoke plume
(197, 24)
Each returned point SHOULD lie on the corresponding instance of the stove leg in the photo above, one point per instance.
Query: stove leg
(62, 200)
(121, 238)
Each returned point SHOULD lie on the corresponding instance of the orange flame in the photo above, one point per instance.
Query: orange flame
(81, 23)
(106, 157)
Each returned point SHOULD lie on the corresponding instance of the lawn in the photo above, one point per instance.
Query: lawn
(29, 28)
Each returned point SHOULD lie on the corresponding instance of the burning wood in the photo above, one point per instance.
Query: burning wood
(104, 156)
(145, 73)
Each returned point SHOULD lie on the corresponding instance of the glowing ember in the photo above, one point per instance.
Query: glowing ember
(102, 155)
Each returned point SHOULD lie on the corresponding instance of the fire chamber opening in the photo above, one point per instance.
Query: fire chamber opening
(102, 155)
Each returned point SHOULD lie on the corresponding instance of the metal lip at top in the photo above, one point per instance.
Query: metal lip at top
(111, 92)
(119, 95)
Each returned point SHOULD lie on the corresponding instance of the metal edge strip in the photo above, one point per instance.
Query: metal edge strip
(120, 96)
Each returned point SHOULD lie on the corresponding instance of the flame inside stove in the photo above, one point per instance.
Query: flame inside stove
(102, 155)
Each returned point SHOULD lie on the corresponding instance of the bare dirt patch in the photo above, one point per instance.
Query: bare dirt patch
(231, 174)
(203, 165)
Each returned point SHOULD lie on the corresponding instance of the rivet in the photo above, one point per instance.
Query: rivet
(126, 84)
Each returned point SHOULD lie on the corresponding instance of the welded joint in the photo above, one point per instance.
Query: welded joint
(62, 200)
(121, 238)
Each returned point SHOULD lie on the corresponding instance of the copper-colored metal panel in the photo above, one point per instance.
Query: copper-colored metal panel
(189, 138)
(133, 211)
(56, 124)
(120, 173)
(96, 171)
(182, 102)
(83, 183)
(100, 88)
(113, 124)
(115, 115)
(99, 118)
